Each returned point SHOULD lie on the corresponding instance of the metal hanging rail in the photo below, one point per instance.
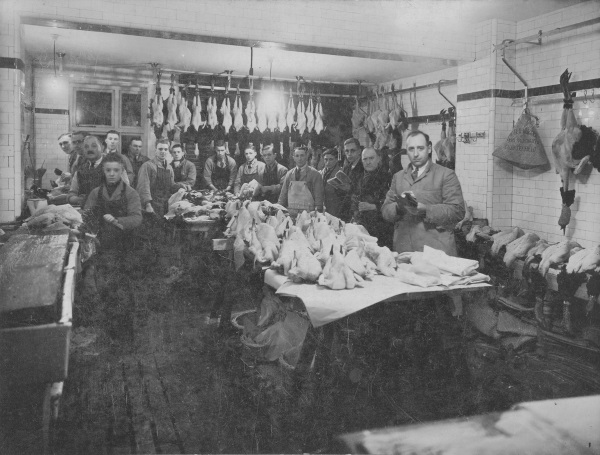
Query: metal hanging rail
(526, 97)
(441, 83)
(538, 37)
(286, 92)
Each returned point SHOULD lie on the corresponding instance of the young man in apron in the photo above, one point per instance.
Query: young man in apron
(118, 210)
(302, 187)
(156, 181)
(184, 171)
(116, 204)
(220, 169)
(273, 176)
(251, 170)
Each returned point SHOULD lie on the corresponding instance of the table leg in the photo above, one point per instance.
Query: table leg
(50, 413)
(307, 354)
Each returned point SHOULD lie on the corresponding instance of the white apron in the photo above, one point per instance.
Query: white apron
(299, 198)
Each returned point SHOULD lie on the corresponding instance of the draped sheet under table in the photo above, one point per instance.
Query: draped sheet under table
(325, 305)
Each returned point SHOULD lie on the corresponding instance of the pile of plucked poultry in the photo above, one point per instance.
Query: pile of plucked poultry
(198, 206)
(577, 265)
(320, 248)
(183, 112)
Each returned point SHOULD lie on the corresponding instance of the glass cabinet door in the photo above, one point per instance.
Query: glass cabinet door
(93, 108)
(131, 110)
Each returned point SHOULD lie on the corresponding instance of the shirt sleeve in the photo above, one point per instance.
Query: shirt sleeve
(318, 191)
(283, 195)
(174, 186)
(92, 199)
(208, 170)
(238, 180)
(134, 210)
(128, 169)
(389, 209)
(233, 172)
(143, 184)
(191, 174)
(73, 195)
(74, 190)
(452, 208)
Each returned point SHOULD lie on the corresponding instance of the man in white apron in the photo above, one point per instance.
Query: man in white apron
(251, 170)
(302, 187)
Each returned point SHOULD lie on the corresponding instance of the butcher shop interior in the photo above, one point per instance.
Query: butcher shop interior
(297, 226)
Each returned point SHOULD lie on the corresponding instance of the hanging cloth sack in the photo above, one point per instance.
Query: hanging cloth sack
(523, 147)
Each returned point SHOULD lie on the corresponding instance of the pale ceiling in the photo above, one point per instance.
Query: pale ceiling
(432, 18)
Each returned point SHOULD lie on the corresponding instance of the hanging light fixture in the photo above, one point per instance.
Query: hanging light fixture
(61, 56)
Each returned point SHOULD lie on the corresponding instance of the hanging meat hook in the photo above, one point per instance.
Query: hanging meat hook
(444, 96)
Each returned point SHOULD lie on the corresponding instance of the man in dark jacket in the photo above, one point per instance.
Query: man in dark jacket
(136, 157)
(353, 168)
(440, 204)
(113, 142)
(273, 175)
(369, 197)
(89, 175)
(333, 198)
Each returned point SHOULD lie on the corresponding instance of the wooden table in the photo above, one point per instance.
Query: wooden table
(322, 357)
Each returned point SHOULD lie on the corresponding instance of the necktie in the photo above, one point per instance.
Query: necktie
(297, 176)
(415, 174)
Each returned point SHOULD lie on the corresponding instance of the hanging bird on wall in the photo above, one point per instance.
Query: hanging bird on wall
(563, 148)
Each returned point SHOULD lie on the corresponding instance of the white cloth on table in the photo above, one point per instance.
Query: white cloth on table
(450, 264)
(326, 305)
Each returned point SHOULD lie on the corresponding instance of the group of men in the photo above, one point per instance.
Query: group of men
(405, 211)
(415, 207)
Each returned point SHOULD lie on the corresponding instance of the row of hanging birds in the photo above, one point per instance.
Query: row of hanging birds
(382, 118)
(303, 116)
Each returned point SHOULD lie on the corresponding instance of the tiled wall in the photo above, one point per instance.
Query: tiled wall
(51, 93)
(10, 118)
(505, 195)
(536, 203)
(472, 159)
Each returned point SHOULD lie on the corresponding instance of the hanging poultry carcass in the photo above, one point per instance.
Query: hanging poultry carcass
(358, 119)
(172, 110)
(226, 111)
(238, 119)
(290, 114)
(319, 116)
(212, 107)
(310, 115)
(271, 109)
(374, 116)
(185, 115)
(261, 114)
(157, 106)
(196, 119)
(301, 117)
(384, 113)
(281, 111)
(395, 111)
(562, 151)
(251, 113)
